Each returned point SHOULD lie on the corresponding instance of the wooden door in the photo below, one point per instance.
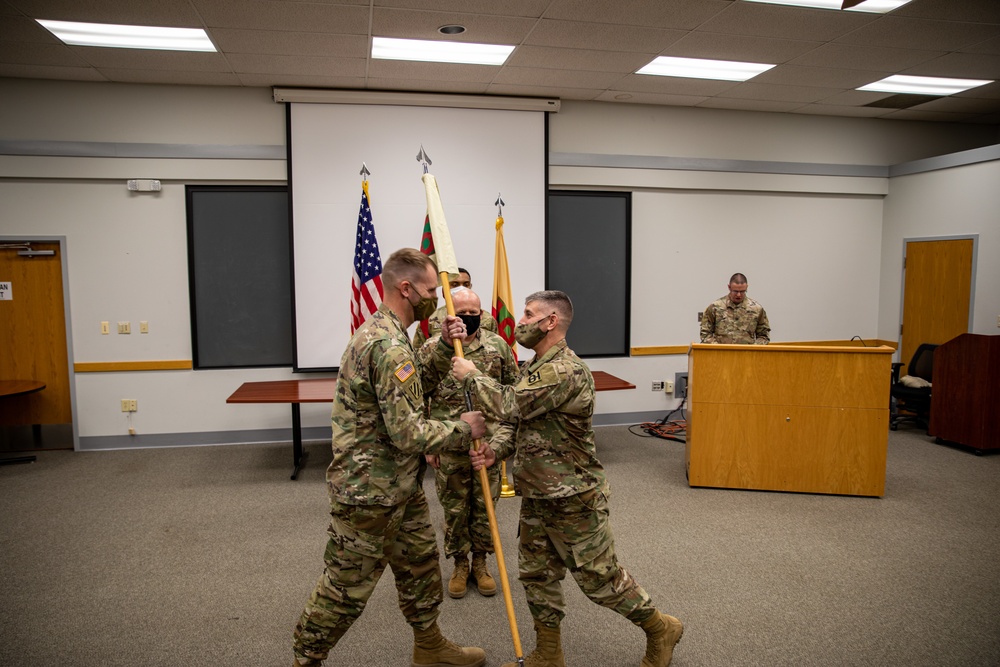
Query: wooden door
(33, 340)
(937, 284)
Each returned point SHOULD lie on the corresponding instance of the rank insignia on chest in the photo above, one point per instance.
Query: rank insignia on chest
(534, 377)
(404, 372)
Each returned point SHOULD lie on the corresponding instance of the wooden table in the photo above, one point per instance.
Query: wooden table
(19, 388)
(297, 392)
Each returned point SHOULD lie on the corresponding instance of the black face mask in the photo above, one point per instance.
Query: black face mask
(471, 323)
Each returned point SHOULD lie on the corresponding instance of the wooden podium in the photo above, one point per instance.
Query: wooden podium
(966, 395)
(808, 419)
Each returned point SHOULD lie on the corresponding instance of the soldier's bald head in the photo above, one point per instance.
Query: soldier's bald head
(466, 301)
(406, 264)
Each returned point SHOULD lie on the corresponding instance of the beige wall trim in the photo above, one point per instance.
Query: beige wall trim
(683, 349)
(116, 366)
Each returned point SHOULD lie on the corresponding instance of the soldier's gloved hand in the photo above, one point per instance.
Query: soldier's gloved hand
(476, 421)
(452, 328)
(485, 457)
(461, 367)
(433, 460)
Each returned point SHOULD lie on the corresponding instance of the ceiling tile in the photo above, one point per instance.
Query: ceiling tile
(28, 53)
(680, 14)
(300, 81)
(403, 69)
(548, 77)
(871, 58)
(316, 66)
(273, 42)
(651, 98)
(132, 12)
(836, 110)
(409, 24)
(745, 48)
(526, 8)
(577, 59)
(979, 11)
(542, 91)
(604, 37)
(184, 61)
(748, 105)
(47, 72)
(783, 22)
(671, 85)
(793, 75)
(766, 91)
(171, 77)
(961, 65)
(290, 16)
(903, 33)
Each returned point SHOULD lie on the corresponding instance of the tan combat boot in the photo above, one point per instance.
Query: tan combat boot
(548, 649)
(662, 634)
(431, 649)
(484, 582)
(459, 578)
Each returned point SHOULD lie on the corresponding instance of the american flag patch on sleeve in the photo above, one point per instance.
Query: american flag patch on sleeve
(404, 372)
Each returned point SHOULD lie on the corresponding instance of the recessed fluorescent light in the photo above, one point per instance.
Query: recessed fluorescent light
(870, 6)
(696, 68)
(129, 36)
(923, 85)
(388, 48)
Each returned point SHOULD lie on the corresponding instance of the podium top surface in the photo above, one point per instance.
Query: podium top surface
(778, 347)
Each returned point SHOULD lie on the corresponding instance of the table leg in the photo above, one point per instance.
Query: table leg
(298, 456)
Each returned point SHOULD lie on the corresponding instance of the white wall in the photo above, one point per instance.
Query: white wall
(127, 256)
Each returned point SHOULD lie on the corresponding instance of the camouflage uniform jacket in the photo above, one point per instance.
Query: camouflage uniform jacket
(379, 431)
(487, 322)
(744, 324)
(553, 404)
(446, 397)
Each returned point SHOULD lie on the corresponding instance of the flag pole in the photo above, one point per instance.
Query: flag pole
(436, 214)
(506, 490)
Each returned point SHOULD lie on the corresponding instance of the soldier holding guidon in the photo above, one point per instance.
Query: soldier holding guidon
(379, 513)
(564, 522)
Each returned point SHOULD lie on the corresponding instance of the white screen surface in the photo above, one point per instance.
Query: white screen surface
(475, 155)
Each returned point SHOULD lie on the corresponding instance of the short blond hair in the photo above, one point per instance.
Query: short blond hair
(405, 264)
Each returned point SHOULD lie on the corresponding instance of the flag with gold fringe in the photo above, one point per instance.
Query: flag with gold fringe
(366, 284)
(502, 297)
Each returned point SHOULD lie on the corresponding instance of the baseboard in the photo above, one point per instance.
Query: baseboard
(107, 442)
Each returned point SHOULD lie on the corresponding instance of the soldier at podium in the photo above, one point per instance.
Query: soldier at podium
(735, 318)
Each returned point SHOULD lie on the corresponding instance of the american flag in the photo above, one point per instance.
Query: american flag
(366, 287)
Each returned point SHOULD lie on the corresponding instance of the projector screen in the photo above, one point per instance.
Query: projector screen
(475, 155)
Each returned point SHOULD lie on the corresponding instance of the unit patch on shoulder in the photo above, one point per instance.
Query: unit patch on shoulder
(533, 378)
(404, 371)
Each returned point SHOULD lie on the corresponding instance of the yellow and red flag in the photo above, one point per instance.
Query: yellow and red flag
(502, 297)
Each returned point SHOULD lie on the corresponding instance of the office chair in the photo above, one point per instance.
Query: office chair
(914, 401)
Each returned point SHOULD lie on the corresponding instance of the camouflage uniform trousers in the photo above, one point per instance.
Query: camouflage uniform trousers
(364, 539)
(574, 533)
(467, 525)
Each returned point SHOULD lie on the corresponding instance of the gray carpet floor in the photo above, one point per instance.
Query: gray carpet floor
(205, 556)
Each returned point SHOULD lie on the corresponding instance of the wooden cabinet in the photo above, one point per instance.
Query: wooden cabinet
(789, 418)
(965, 397)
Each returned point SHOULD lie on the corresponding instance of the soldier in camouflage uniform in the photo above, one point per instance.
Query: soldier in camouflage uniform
(467, 526)
(432, 327)
(380, 515)
(564, 522)
(735, 318)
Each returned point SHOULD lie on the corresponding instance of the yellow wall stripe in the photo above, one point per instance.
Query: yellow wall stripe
(112, 366)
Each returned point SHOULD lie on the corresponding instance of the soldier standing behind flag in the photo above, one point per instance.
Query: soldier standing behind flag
(380, 515)
(564, 522)
(463, 279)
(467, 526)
